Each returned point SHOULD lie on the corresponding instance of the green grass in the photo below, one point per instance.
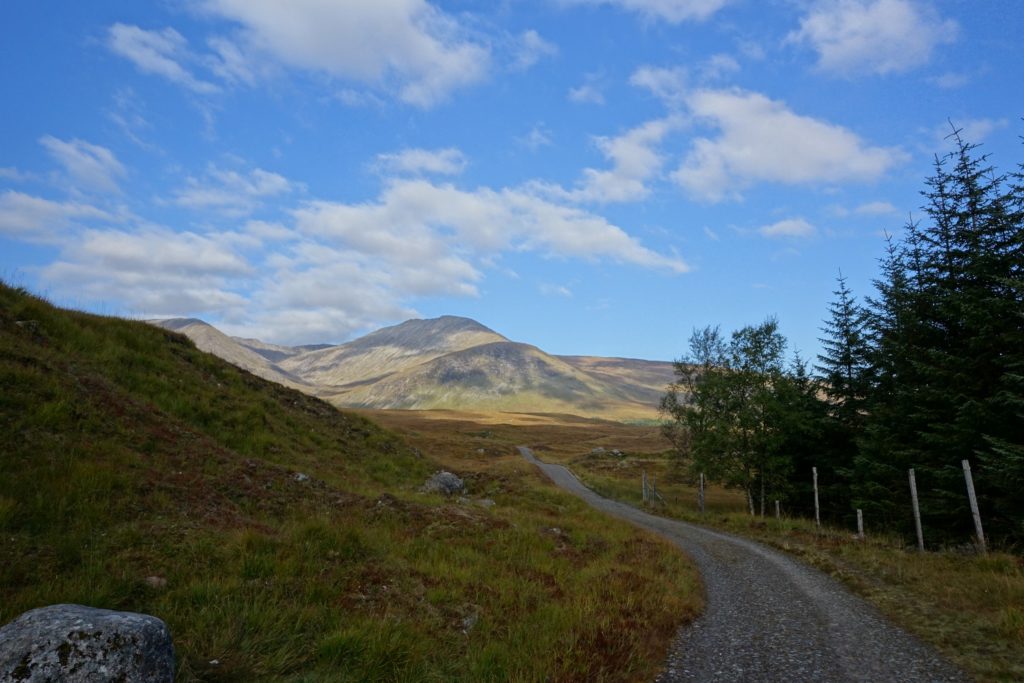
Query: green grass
(970, 607)
(127, 454)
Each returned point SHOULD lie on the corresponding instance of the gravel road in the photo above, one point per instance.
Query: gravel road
(770, 618)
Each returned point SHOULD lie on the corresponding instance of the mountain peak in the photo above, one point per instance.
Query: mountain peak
(444, 332)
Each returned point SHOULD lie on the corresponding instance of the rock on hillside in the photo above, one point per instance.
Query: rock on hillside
(76, 643)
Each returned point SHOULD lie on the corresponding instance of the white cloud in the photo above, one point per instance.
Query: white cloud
(635, 161)
(790, 227)
(555, 290)
(448, 161)
(154, 272)
(230, 63)
(530, 49)
(873, 36)
(35, 219)
(587, 93)
(711, 234)
(157, 52)
(230, 192)
(128, 115)
(877, 208)
(718, 66)
(972, 131)
(539, 136)
(409, 47)
(761, 140)
(359, 98)
(672, 11)
(411, 215)
(88, 166)
(11, 173)
(668, 85)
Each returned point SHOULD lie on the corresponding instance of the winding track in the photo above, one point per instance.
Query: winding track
(768, 617)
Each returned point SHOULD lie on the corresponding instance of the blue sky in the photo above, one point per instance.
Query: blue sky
(590, 176)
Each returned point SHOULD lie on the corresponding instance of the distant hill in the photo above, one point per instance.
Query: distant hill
(388, 351)
(248, 354)
(447, 362)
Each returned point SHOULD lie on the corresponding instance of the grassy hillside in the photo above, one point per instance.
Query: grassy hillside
(140, 473)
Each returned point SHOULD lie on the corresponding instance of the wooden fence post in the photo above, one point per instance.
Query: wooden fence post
(817, 509)
(917, 511)
(778, 514)
(643, 484)
(860, 524)
(700, 494)
(974, 506)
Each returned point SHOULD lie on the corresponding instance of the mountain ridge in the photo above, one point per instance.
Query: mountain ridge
(448, 362)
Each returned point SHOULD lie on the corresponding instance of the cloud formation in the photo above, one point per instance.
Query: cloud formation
(762, 140)
(36, 219)
(635, 161)
(531, 48)
(448, 161)
(407, 46)
(153, 271)
(161, 53)
(789, 227)
(667, 84)
(229, 192)
(853, 37)
(89, 167)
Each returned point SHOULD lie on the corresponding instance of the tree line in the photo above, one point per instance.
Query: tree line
(924, 372)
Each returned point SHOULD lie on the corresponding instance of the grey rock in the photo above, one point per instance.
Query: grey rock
(300, 477)
(76, 643)
(444, 483)
(469, 622)
(597, 451)
(485, 503)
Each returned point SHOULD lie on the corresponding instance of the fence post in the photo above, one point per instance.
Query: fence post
(778, 514)
(860, 524)
(700, 494)
(917, 511)
(817, 509)
(643, 484)
(974, 505)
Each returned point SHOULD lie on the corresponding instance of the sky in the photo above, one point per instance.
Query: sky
(590, 176)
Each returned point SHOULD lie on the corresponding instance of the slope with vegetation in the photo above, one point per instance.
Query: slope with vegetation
(281, 539)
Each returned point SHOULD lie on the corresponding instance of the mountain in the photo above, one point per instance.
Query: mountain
(389, 351)
(251, 355)
(448, 362)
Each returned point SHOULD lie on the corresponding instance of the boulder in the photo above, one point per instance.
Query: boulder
(444, 483)
(76, 643)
